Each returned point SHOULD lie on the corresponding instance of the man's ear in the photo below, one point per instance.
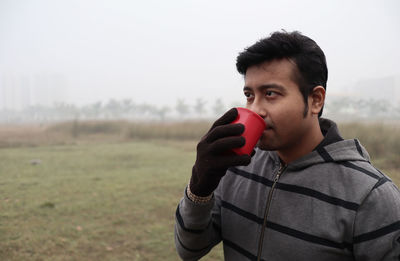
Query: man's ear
(317, 99)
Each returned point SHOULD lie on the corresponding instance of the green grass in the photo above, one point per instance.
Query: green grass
(92, 202)
(92, 191)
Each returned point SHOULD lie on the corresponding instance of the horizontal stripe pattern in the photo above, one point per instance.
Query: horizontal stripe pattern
(252, 176)
(182, 224)
(315, 211)
(298, 189)
(377, 233)
(382, 181)
(286, 230)
(191, 249)
(355, 167)
(327, 158)
(240, 250)
(318, 195)
(242, 212)
(308, 237)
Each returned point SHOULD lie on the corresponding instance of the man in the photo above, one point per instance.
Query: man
(305, 194)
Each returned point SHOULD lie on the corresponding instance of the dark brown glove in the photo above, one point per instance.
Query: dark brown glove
(215, 156)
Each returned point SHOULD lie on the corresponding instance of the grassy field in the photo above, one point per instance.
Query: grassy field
(64, 195)
(92, 202)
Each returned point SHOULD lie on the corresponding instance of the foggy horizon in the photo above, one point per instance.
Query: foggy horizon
(158, 52)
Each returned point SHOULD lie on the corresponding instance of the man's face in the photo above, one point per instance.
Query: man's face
(272, 93)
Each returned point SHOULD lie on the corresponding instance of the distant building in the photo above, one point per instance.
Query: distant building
(18, 91)
(384, 88)
(15, 93)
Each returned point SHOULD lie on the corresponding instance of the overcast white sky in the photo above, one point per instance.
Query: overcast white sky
(158, 51)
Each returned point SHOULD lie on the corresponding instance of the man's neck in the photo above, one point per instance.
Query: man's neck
(304, 146)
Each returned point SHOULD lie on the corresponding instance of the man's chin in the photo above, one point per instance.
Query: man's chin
(264, 146)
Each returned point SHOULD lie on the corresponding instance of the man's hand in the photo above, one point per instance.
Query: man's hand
(215, 156)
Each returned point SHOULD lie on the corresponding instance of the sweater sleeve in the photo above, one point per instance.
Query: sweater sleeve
(377, 224)
(197, 227)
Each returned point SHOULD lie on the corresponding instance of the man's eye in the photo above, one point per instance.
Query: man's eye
(271, 93)
(248, 95)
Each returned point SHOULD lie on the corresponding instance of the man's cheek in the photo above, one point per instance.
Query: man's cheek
(263, 143)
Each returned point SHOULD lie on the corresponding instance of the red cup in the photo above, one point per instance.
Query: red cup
(254, 126)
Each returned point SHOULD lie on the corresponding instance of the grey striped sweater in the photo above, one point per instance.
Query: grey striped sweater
(331, 204)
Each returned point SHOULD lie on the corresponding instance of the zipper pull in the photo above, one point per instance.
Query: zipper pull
(281, 168)
(277, 177)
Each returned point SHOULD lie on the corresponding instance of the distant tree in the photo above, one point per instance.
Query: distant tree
(339, 106)
(396, 111)
(114, 108)
(127, 107)
(59, 111)
(96, 109)
(91, 111)
(218, 107)
(145, 110)
(199, 107)
(162, 112)
(182, 108)
(379, 107)
(152, 111)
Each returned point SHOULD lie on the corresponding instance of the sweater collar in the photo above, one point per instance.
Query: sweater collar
(330, 131)
(333, 148)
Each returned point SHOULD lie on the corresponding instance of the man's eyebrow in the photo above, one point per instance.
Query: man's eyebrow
(266, 87)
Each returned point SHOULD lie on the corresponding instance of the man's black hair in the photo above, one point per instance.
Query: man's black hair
(303, 51)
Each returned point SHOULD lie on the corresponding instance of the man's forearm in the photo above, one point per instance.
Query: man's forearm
(195, 232)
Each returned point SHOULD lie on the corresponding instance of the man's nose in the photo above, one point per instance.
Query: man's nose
(258, 108)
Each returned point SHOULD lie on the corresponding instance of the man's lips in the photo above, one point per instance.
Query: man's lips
(267, 129)
(268, 125)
